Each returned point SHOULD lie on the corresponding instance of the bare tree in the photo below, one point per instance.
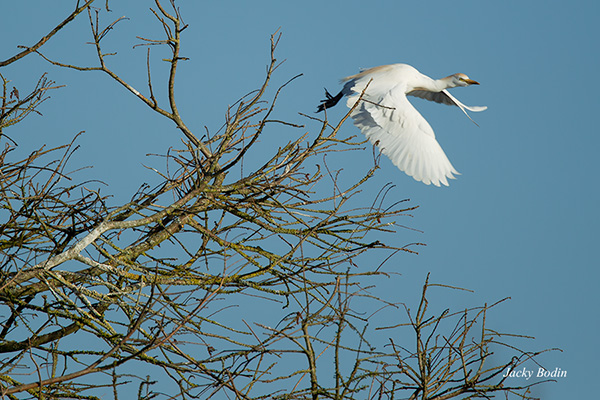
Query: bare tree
(137, 299)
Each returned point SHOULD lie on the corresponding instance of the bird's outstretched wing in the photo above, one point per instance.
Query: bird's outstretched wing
(444, 97)
(389, 121)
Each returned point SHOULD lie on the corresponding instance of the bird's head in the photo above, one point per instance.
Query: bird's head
(459, 80)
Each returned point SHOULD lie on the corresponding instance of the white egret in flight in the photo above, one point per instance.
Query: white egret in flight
(388, 119)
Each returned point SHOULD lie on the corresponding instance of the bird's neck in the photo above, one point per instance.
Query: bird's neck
(438, 85)
(432, 85)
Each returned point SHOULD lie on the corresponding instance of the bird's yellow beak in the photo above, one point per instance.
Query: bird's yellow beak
(471, 81)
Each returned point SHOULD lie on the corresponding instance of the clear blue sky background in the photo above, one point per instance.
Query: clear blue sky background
(522, 219)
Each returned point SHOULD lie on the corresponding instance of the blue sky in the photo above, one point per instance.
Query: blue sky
(522, 219)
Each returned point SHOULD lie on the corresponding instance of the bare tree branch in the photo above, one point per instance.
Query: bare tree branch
(44, 39)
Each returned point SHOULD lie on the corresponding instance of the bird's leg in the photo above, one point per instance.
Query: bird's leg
(329, 101)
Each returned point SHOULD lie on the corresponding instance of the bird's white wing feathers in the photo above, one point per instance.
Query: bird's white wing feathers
(389, 121)
(438, 97)
(444, 97)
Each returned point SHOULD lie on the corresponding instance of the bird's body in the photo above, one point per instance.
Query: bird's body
(388, 119)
